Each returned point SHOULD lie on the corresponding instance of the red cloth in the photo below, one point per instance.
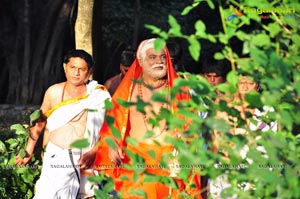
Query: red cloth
(121, 116)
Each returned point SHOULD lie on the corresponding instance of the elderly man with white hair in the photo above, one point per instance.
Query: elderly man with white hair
(151, 72)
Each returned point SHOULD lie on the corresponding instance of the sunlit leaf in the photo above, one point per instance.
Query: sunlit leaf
(232, 78)
(111, 143)
(20, 130)
(2, 147)
(131, 141)
(159, 44)
(261, 40)
(82, 143)
(200, 29)
(189, 8)
(194, 48)
(108, 104)
(175, 27)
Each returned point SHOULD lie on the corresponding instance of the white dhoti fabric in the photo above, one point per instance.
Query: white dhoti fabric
(58, 179)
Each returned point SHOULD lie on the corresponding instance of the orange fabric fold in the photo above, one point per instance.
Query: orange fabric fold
(154, 190)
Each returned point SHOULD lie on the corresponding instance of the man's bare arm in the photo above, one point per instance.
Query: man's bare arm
(35, 132)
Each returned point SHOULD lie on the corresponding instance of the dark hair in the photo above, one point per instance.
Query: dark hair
(214, 66)
(79, 53)
(127, 57)
(175, 51)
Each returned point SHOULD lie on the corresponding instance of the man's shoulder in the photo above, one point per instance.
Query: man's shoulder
(113, 79)
(94, 87)
(56, 87)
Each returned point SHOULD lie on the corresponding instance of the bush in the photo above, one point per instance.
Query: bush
(18, 181)
(270, 54)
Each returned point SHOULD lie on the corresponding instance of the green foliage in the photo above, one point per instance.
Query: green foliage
(80, 144)
(270, 54)
(18, 181)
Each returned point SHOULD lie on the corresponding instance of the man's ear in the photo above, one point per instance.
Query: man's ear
(90, 74)
(64, 66)
(91, 70)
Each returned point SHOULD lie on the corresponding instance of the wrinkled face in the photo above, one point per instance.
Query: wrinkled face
(246, 85)
(77, 71)
(213, 78)
(154, 64)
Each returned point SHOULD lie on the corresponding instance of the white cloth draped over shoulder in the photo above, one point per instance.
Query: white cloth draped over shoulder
(57, 165)
(93, 101)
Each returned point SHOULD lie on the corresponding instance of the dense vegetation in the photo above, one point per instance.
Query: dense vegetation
(268, 52)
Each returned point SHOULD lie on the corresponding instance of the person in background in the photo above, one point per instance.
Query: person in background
(215, 71)
(127, 57)
(253, 123)
(150, 73)
(175, 51)
(71, 111)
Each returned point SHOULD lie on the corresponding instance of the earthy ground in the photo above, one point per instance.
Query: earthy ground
(14, 114)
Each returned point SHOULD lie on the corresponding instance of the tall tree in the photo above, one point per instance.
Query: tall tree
(44, 31)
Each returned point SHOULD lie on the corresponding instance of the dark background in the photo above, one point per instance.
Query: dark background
(35, 34)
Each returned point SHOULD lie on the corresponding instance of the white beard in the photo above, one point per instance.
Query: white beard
(154, 73)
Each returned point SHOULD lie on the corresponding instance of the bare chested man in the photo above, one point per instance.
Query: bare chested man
(71, 110)
(153, 72)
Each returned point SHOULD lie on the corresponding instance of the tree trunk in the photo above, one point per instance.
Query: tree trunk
(83, 25)
(44, 32)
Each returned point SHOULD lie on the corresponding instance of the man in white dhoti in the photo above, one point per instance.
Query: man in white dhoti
(71, 110)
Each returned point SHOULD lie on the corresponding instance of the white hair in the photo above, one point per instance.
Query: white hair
(143, 47)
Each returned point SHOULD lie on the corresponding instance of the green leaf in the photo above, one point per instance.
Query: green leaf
(147, 135)
(296, 39)
(219, 125)
(274, 29)
(2, 147)
(232, 78)
(200, 29)
(254, 99)
(124, 103)
(175, 27)
(82, 143)
(152, 154)
(20, 130)
(159, 44)
(37, 114)
(139, 192)
(155, 30)
(218, 56)
(151, 178)
(211, 38)
(101, 194)
(116, 133)
(108, 104)
(111, 143)
(11, 141)
(223, 38)
(194, 48)
(187, 9)
(136, 176)
(261, 40)
(210, 4)
(226, 88)
(242, 35)
(259, 56)
(22, 153)
(131, 141)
